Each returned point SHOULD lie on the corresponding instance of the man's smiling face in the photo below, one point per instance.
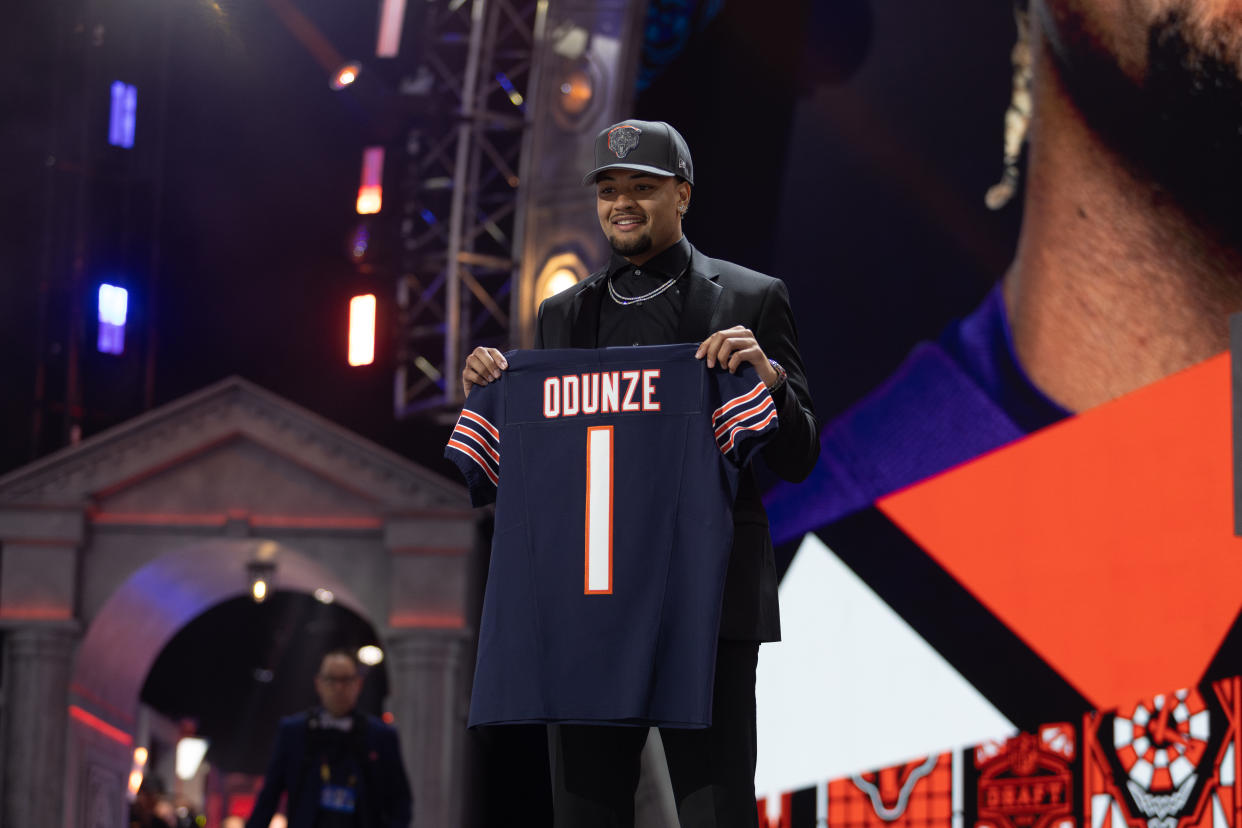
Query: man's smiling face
(639, 212)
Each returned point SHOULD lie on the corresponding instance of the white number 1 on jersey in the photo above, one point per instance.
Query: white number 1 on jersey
(598, 579)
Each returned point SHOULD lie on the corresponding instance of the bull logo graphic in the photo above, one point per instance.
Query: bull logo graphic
(622, 139)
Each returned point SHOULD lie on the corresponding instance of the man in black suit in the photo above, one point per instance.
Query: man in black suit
(658, 289)
(340, 767)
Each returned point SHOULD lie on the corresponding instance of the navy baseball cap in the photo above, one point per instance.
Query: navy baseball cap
(646, 146)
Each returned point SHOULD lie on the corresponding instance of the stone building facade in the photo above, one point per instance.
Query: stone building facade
(109, 547)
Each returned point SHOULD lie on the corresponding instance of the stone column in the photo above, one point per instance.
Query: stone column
(429, 703)
(37, 662)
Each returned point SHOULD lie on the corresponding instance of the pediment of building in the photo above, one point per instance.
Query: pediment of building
(231, 446)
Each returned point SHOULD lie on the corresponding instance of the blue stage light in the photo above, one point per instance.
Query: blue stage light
(515, 97)
(124, 115)
(113, 305)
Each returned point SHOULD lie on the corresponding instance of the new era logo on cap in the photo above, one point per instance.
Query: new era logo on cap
(643, 146)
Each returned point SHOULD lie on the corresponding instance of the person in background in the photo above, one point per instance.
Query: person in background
(340, 768)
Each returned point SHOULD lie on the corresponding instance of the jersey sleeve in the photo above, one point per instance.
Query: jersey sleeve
(746, 416)
(475, 442)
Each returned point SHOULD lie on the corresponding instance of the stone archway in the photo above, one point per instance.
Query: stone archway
(131, 629)
(162, 513)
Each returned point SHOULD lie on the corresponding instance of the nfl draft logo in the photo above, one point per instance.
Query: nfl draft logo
(1027, 781)
(623, 139)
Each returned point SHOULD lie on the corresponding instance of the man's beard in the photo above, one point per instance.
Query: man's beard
(1182, 126)
(631, 247)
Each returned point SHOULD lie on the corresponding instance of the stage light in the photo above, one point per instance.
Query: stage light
(190, 753)
(324, 596)
(371, 188)
(347, 74)
(515, 97)
(360, 243)
(576, 92)
(562, 279)
(392, 17)
(560, 272)
(570, 41)
(369, 200)
(577, 104)
(370, 655)
(259, 573)
(113, 304)
(123, 115)
(135, 782)
(362, 330)
(140, 756)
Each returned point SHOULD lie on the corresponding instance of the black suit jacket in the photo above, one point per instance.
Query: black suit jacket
(383, 792)
(719, 295)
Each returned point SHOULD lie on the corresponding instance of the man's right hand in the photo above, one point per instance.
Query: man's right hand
(483, 366)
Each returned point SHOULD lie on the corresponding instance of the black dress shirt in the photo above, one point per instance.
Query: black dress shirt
(654, 321)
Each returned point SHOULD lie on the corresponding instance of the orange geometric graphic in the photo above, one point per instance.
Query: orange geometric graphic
(1106, 541)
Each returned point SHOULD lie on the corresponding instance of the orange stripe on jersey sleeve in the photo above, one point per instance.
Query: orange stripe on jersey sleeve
(477, 458)
(739, 400)
(728, 446)
(463, 430)
(753, 411)
(488, 427)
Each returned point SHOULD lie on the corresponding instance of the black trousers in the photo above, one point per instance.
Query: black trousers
(595, 768)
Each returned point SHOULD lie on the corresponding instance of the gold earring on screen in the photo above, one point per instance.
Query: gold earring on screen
(1017, 117)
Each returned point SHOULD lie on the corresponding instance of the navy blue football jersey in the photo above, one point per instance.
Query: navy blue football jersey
(614, 473)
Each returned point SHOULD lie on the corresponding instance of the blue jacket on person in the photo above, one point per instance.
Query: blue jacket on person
(382, 792)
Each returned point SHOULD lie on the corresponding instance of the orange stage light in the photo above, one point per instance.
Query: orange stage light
(371, 189)
(369, 200)
(362, 330)
(345, 75)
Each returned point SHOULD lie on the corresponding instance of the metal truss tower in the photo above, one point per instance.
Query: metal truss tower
(459, 192)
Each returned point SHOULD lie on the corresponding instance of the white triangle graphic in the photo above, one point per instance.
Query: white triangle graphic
(1218, 814)
(1100, 804)
(852, 687)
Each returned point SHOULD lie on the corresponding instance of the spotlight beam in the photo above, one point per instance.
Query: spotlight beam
(306, 33)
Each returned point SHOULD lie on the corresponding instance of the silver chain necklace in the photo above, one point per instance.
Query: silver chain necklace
(651, 294)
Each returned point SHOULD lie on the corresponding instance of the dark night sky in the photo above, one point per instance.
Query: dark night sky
(860, 185)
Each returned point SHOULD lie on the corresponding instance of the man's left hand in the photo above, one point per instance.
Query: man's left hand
(733, 346)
